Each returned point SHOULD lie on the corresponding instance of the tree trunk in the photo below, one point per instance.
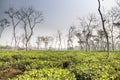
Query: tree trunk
(103, 25)
(26, 46)
(14, 35)
(112, 43)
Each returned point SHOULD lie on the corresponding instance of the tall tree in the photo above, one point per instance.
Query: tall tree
(38, 42)
(15, 20)
(46, 40)
(80, 40)
(115, 11)
(70, 37)
(118, 36)
(3, 24)
(87, 25)
(110, 20)
(104, 29)
(60, 40)
(30, 19)
(90, 24)
(101, 37)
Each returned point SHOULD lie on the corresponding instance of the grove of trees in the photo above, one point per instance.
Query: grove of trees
(96, 31)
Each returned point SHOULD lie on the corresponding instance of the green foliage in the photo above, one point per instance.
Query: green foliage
(47, 74)
(1, 64)
(62, 65)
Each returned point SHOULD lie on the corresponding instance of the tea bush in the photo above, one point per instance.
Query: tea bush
(62, 65)
(47, 74)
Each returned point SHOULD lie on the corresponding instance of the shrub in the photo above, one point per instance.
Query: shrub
(47, 74)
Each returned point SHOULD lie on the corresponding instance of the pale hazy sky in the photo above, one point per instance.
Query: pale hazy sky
(58, 14)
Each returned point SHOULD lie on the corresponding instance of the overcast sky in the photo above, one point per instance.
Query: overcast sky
(58, 14)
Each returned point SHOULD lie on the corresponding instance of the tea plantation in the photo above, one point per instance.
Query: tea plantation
(59, 65)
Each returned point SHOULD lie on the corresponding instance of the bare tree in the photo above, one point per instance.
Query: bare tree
(80, 40)
(46, 40)
(111, 27)
(3, 24)
(115, 14)
(95, 42)
(118, 36)
(70, 37)
(15, 20)
(101, 37)
(18, 38)
(59, 40)
(23, 40)
(38, 41)
(87, 25)
(103, 25)
(30, 19)
(80, 34)
(91, 24)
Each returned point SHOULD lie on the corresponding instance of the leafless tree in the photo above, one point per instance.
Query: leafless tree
(103, 26)
(115, 14)
(80, 40)
(87, 25)
(30, 19)
(101, 37)
(95, 42)
(15, 20)
(91, 24)
(80, 33)
(46, 40)
(18, 38)
(118, 36)
(38, 42)
(70, 37)
(111, 27)
(59, 40)
(4, 23)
